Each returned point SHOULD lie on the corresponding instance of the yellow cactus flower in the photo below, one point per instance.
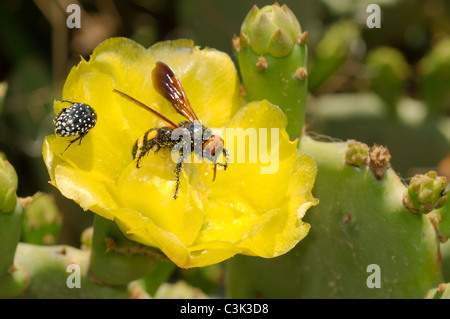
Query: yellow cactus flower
(254, 207)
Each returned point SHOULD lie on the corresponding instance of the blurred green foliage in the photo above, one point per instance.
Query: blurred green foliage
(387, 86)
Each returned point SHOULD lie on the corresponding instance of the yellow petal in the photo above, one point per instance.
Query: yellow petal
(213, 255)
(143, 230)
(286, 228)
(256, 213)
(89, 190)
(150, 191)
(228, 224)
(255, 176)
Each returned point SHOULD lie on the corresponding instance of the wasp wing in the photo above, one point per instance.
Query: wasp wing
(167, 84)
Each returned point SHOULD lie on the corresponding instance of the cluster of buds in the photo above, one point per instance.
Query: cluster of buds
(377, 158)
(357, 153)
(425, 193)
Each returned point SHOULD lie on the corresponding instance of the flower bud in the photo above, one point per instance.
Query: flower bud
(8, 187)
(425, 193)
(357, 153)
(272, 29)
(379, 161)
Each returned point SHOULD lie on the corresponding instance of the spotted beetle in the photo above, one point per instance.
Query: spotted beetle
(77, 119)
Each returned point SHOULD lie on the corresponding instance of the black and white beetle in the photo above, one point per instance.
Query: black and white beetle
(77, 119)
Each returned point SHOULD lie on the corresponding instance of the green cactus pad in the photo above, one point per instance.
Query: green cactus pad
(10, 228)
(441, 292)
(333, 50)
(125, 260)
(44, 272)
(277, 83)
(388, 72)
(434, 71)
(360, 233)
(42, 220)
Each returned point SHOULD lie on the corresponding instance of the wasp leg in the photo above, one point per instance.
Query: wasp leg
(137, 162)
(73, 141)
(177, 173)
(227, 159)
(144, 145)
(67, 101)
(146, 149)
(151, 144)
(142, 154)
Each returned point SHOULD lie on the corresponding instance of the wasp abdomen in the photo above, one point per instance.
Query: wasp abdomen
(153, 140)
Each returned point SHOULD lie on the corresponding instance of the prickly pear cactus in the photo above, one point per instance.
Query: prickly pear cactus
(388, 71)
(269, 37)
(363, 242)
(370, 235)
(434, 70)
(42, 220)
(332, 51)
(11, 217)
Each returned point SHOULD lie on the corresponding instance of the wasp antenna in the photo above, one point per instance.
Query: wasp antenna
(215, 170)
(146, 107)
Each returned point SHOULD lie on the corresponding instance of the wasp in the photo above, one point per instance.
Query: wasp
(169, 86)
(77, 119)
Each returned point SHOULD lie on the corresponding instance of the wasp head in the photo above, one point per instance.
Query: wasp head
(212, 148)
